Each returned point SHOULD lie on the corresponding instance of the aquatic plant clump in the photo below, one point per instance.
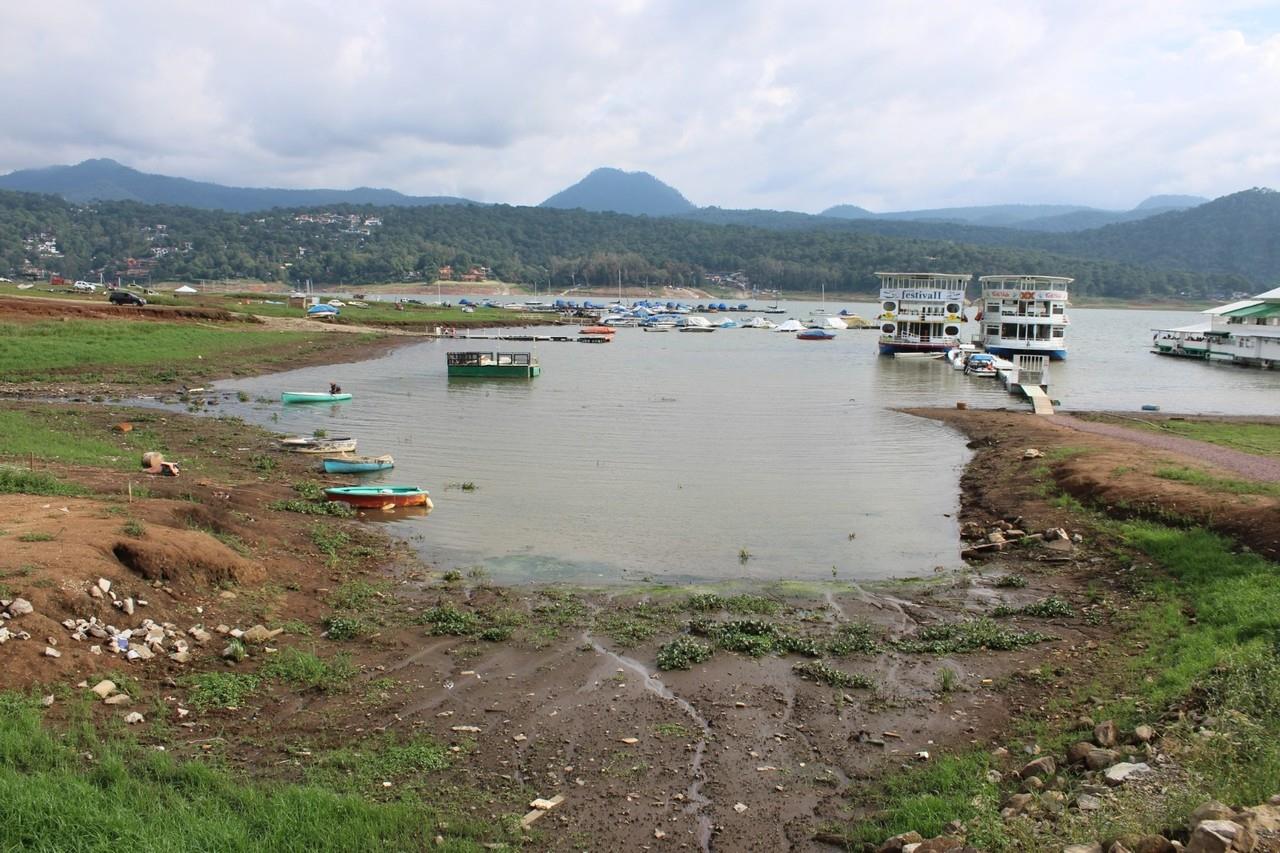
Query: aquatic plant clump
(682, 653)
(823, 673)
(969, 636)
(1046, 608)
(447, 620)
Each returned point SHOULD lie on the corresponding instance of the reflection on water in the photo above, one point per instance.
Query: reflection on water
(664, 456)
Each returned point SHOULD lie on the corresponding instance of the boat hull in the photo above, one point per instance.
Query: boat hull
(367, 497)
(894, 347)
(312, 397)
(318, 445)
(357, 464)
(1010, 352)
(496, 371)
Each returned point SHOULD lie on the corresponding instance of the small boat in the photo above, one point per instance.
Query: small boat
(356, 464)
(655, 328)
(980, 364)
(380, 497)
(957, 356)
(312, 397)
(696, 328)
(598, 330)
(816, 335)
(322, 312)
(309, 444)
(790, 326)
(493, 365)
(759, 323)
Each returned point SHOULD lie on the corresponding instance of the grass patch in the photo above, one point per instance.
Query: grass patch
(380, 760)
(36, 536)
(740, 604)
(309, 671)
(90, 790)
(1010, 581)
(219, 689)
(357, 595)
(674, 730)
(636, 623)
(1046, 608)
(133, 528)
(309, 507)
(329, 541)
(1211, 483)
(17, 481)
(853, 638)
(344, 627)
(1257, 438)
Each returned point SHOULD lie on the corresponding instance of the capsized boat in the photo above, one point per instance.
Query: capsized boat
(310, 444)
(356, 464)
(380, 497)
(312, 397)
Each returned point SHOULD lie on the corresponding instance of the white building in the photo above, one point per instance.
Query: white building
(1245, 332)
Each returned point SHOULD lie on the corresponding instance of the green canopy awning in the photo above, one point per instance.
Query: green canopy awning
(1266, 309)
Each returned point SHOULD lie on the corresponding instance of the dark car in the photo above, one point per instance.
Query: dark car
(124, 297)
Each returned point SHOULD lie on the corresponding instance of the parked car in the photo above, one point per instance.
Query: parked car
(124, 297)
(84, 286)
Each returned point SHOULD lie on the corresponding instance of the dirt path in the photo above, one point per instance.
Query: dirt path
(1247, 465)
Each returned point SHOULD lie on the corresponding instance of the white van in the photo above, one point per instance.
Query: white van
(85, 286)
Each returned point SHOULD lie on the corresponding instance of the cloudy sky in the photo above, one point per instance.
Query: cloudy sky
(742, 103)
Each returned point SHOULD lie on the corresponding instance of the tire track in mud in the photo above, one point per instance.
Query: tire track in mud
(699, 804)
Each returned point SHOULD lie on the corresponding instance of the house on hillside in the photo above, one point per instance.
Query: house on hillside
(1243, 332)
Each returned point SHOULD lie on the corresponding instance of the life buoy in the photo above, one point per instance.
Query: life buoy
(887, 328)
(951, 331)
(953, 308)
(890, 307)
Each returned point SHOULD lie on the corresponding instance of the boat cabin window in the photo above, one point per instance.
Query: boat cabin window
(993, 330)
(1057, 331)
(1058, 308)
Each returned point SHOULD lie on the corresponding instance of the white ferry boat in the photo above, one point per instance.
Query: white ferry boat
(1246, 332)
(920, 312)
(1024, 314)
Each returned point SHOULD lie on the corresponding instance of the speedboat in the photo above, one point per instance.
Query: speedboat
(980, 364)
(957, 356)
(759, 323)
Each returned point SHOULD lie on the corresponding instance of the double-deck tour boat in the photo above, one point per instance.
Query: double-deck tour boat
(1024, 315)
(920, 312)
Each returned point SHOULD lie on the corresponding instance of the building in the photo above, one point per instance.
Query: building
(1245, 332)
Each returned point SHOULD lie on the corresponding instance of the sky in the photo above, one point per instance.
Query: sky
(793, 105)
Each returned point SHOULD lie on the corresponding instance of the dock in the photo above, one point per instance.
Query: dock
(1027, 375)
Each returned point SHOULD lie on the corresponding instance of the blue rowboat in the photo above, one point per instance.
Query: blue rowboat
(357, 464)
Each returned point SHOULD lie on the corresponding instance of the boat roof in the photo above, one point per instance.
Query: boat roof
(1042, 279)
(1202, 326)
(928, 276)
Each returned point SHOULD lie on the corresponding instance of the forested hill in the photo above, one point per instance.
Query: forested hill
(354, 245)
(96, 180)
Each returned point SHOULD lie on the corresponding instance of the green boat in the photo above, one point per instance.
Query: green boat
(312, 397)
(494, 365)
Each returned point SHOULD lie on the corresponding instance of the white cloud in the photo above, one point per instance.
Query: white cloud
(743, 104)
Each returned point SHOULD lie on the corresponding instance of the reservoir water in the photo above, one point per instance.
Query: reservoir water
(738, 454)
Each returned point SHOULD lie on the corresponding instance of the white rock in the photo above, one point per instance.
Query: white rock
(104, 585)
(134, 717)
(20, 607)
(47, 701)
(200, 635)
(739, 807)
(104, 688)
(95, 592)
(51, 652)
(1118, 774)
(95, 650)
(128, 606)
(118, 699)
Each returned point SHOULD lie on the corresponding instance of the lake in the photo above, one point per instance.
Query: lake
(739, 454)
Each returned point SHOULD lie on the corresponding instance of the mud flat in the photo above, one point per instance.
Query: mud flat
(292, 647)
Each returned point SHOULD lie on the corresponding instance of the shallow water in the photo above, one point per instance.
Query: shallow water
(666, 456)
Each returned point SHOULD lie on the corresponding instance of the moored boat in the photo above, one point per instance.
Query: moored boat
(1024, 315)
(312, 397)
(356, 464)
(494, 365)
(920, 312)
(980, 364)
(598, 330)
(379, 497)
(816, 334)
(310, 444)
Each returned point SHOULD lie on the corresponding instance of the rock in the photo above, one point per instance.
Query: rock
(1265, 818)
(1118, 774)
(1152, 844)
(1031, 453)
(1212, 810)
(739, 807)
(999, 754)
(180, 657)
(133, 718)
(1017, 804)
(1144, 734)
(1220, 836)
(1078, 752)
(1100, 759)
(120, 699)
(104, 688)
(1095, 847)
(127, 606)
(104, 585)
(1040, 767)
(20, 607)
(1106, 734)
(897, 842)
(940, 844)
(51, 652)
(95, 592)
(260, 634)
(47, 700)
(1088, 803)
(200, 635)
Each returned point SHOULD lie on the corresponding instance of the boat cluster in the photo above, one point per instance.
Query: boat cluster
(337, 456)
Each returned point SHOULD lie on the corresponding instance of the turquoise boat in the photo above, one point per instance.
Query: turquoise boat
(375, 497)
(312, 397)
(357, 464)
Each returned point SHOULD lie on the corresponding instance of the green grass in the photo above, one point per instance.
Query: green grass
(121, 350)
(968, 636)
(1211, 483)
(682, 653)
(369, 764)
(17, 481)
(309, 671)
(1261, 439)
(94, 790)
(816, 670)
(306, 507)
(219, 689)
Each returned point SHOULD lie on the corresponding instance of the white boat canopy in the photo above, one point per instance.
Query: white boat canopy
(790, 326)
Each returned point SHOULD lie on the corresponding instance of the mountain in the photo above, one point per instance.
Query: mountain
(107, 180)
(1233, 234)
(848, 211)
(1029, 217)
(616, 191)
(1171, 202)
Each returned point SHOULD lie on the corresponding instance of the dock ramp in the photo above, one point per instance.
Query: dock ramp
(1040, 402)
